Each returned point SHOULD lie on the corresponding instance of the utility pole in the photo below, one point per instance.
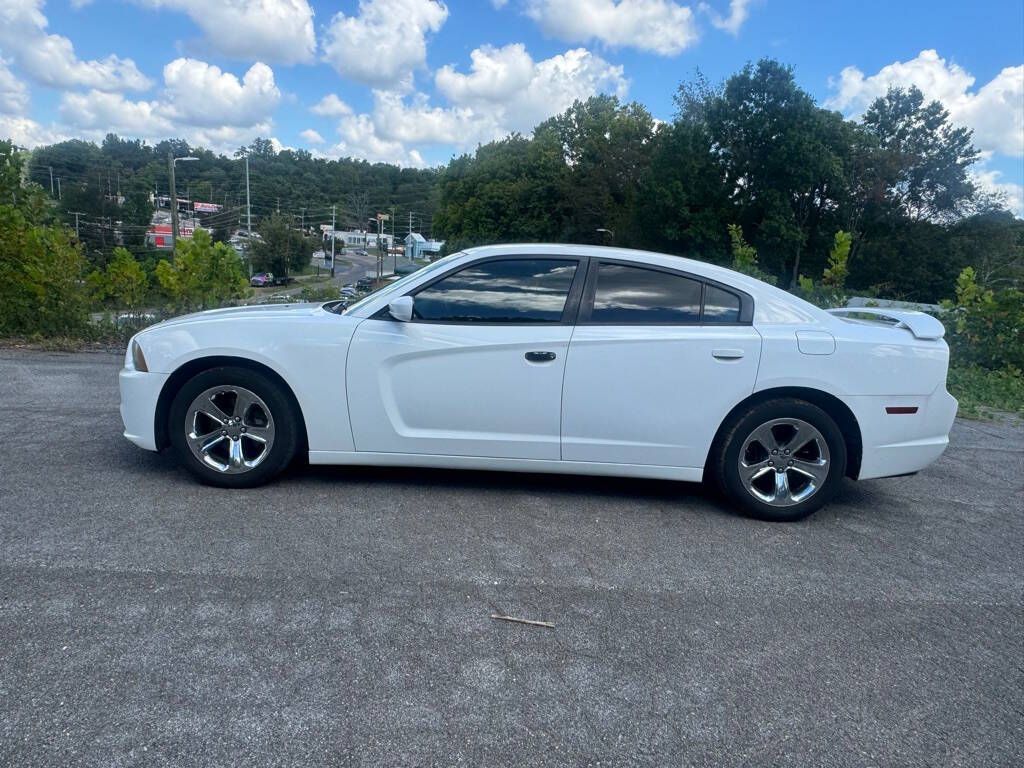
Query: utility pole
(393, 254)
(51, 179)
(410, 223)
(248, 215)
(303, 221)
(333, 220)
(77, 214)
(58, 188)
(174, 207)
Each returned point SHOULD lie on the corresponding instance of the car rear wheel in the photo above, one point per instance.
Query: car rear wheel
(780, 460)
(233, 427)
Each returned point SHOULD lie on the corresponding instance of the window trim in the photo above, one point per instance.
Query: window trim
(590, 290)
(569, 311)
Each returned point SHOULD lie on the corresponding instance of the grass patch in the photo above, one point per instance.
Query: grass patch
(982, 391)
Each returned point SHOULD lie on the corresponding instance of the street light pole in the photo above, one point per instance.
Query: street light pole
(171, 161)
(334, 218)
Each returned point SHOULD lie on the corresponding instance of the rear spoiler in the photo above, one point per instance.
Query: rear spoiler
(922, 325)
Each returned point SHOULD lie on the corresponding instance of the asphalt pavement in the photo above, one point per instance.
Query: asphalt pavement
(341, 616)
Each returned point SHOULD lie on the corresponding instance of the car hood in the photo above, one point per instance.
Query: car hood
(265, 311)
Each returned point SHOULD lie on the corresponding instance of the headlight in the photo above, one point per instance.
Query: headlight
(138, 359)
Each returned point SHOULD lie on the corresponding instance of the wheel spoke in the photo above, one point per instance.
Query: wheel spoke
(243, 401)
(765, 437)
(259, 434)
(752, 472)
(235, 458)
(213, 411)
(206, 445)
(816, 470)
(782, 492)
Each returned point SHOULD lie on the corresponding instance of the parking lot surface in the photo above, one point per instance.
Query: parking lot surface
(341, 616)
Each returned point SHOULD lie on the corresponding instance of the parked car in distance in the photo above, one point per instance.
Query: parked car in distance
(553, 358)
(261, 279)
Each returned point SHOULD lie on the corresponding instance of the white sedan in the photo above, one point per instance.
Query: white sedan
(553, 358)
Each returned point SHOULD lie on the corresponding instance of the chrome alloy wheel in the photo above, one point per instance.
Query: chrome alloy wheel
(230, 429)
(784, 462)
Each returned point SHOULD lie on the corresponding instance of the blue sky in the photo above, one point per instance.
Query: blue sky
(416, 81)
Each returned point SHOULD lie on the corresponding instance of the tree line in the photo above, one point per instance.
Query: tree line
(758, 154)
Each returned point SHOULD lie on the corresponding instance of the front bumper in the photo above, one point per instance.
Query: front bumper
(902, 444)
(140, 392)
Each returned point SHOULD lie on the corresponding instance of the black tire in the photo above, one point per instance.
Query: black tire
(724, 461)
(284, 415)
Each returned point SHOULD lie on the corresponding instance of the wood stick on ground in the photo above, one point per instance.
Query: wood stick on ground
(523, 621)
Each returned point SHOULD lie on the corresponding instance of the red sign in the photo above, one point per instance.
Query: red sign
(206, 207)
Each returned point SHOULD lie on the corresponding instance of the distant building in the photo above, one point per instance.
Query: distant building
(356, 238)
(418, 247)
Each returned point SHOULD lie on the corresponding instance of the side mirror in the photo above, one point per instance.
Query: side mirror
(401, 308)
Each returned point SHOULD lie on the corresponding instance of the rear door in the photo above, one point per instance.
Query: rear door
(657, 360)
(478, 371)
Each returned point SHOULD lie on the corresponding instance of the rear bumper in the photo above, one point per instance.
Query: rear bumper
(900, 444)
(139, 395)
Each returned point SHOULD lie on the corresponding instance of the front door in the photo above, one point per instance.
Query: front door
(656, 362)
(477, 372)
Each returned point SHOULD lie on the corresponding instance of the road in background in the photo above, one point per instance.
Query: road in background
(341, 616)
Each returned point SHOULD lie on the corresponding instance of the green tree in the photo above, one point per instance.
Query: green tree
(282, 247)
(203, 275)
(744, 256)
(123, 283)
(783, 161)
(926, 157)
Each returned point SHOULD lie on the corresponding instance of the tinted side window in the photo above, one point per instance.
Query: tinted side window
(512, 291)
(720, 306)
(631, 295)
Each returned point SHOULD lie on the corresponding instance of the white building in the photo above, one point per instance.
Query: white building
(418, 247)
(354, 239)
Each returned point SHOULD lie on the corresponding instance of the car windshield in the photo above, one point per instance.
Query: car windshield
(432, 267)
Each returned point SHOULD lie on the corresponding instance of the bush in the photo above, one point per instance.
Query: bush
(831, 291)
(41, 287)
(744, 256)
(204, 274)
(987, 326)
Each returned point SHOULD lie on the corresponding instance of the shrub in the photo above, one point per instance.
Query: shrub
(41, 287)
(831, 291)
(204, 274)
(744, 256)
(987, 326)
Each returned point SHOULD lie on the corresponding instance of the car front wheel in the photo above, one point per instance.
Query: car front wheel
(780, 460)
(233, 427)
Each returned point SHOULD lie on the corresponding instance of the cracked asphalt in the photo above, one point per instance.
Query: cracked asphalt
(341, 616)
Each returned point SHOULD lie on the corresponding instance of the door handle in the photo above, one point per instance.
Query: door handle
(540, 357)
(727, 354)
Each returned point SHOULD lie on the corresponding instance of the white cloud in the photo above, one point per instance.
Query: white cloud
(201, 94)
(661, 26)
(499, 4)
(311, 137)
(112, 112)
(200, 103)
(995, 111)
(51, 59)
(28, 133)
(385, 42)
(331, 106)
(13, 93)
(1012, 194)
(505, 91)
(271, 30)
(738, 12)
(506, 86)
